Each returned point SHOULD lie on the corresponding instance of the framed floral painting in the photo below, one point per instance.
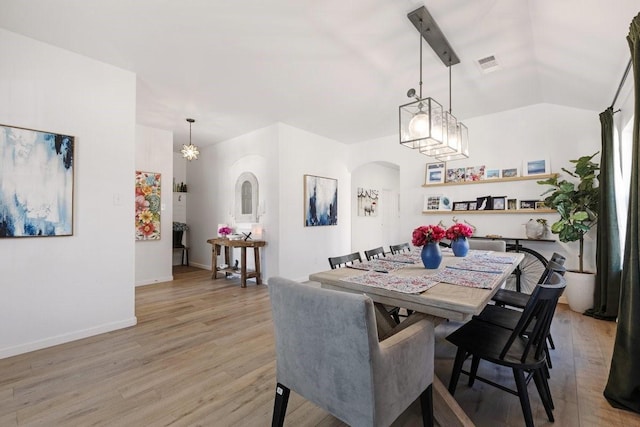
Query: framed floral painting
(147, 206)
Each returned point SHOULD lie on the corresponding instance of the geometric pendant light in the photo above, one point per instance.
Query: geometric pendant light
(424, 124)
(190, 151)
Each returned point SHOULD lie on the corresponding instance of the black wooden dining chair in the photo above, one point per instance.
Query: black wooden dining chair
(346, 260)
(401, 247)
(521, 349)
(374, 253)
(508, 318)
(519, 299)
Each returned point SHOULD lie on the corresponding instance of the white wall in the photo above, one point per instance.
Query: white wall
(368, 232)
(304, 250)
(58, 289)
(154, 153)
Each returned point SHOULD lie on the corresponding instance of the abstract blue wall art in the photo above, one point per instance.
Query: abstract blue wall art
(320, 201)
(36, 183)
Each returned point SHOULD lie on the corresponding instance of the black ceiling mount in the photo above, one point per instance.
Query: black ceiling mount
(433, 35)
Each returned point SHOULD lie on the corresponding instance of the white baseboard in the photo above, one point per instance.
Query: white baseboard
(154, 281)
(64, 338)
(203, 266)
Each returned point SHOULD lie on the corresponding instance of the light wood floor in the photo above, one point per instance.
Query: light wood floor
(202, 354)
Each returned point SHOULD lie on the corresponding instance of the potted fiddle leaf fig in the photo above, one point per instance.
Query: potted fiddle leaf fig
(577, 203)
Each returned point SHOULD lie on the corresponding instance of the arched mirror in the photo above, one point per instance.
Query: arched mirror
(246, 206)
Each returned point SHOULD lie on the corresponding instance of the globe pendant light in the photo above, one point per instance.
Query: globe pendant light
(190, 152)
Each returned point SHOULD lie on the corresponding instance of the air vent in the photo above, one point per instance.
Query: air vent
(488, 64)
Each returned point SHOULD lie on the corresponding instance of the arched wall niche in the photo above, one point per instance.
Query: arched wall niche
(246, 198)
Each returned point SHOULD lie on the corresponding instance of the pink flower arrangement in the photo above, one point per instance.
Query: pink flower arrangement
(458, 230)
(225, 231)
(427, 234)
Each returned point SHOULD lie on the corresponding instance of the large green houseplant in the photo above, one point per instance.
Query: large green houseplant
(576, 202)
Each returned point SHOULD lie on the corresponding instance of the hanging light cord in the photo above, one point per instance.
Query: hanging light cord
(449, 85)
(420, 84)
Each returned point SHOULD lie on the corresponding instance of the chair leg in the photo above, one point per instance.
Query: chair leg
(546, 351)
(426, 402)
(521, 385)
(475, 362)
(551, 344)
(544, 392)
(457, 368)
(280, 405)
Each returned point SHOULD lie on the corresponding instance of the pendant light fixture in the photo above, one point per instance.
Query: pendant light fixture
(424, 125)
(190, 152)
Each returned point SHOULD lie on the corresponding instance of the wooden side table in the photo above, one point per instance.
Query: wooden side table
(216, 250)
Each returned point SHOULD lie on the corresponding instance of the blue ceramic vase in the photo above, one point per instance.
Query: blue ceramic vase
(460, 246)
(431, 255)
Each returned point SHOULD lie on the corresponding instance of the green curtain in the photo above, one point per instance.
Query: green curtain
(607, 293)
(623, 386)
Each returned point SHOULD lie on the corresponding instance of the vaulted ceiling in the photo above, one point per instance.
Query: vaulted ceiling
(337, 68)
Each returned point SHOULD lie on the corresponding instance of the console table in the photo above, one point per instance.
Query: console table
(219, 242)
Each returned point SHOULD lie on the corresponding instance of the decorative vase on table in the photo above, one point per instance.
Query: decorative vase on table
(460, 246)
(431, 255)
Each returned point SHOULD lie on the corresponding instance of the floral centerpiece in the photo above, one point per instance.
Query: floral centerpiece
(458, 230)
(224, 231)
(458, 234)
(428, 237)
(427, 234)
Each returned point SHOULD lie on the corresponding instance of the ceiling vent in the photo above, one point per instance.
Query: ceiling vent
(488, 64)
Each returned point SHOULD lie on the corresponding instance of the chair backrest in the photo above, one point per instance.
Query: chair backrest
(325, 342)
(552, 266)
(374, 253)
(344, 260)
(541, 307)
(488, 245)
(401, 247)
(558, 258)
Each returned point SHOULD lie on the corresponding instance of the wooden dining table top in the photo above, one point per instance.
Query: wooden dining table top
(443, 300)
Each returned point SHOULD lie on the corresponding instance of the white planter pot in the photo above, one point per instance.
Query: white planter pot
(579, 291)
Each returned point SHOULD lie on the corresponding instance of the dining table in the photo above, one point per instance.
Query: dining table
(457, 290)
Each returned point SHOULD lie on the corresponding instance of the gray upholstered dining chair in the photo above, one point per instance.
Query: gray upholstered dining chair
(488, 245)
(327, 351)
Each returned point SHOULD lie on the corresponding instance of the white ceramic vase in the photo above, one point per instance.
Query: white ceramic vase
(579, 290)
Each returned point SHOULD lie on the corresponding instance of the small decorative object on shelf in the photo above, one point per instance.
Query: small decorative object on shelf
(428, 237)
(224, 231)
(180, 188)
(458, 234)
(537, 228)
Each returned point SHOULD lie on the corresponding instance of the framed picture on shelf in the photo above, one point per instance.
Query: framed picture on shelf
(436, 203)
(512, 204)
(475, 173)
(473, 206)
(536, 167)
(510, 173)
(492, 173)
(541, 205)
(460, 206)
(499, 203)
(456, 175)
(435, 173)
(528, 204)
(484, 203)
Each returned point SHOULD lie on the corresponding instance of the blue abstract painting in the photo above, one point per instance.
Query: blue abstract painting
(321, 201)
(36, 183)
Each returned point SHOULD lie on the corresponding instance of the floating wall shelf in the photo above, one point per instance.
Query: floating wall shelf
(493, 212)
